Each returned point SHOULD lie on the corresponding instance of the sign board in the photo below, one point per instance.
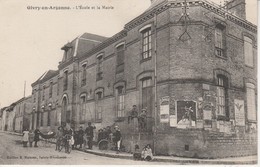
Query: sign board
(186, 113)
(164, 109)
(239, 112)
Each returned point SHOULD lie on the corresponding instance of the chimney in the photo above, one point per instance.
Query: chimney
(237, 7)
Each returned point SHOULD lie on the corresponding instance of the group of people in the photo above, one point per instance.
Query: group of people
(79, 137)
(145, 154)
(141, 117)
(31, 136)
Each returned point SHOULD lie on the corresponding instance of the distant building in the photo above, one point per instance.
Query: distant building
(191, 66)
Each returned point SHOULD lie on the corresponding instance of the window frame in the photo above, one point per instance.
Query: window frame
(120, 102)
(220, 31)
(222, 95)
(251, 103)
(146, 33)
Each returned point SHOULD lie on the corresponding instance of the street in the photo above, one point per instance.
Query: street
(12, 152)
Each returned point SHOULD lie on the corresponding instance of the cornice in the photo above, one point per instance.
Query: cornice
(209, 6)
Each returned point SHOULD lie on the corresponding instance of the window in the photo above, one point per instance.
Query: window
(219, 41)
(50, 89)
(120, 106)
(99, 113)
(34, 95)
(41, 118)
(99, 95)
(248, 51)
(99, 67)
(147, 94)
(43, 92)
(120, 51)
(65, 81)
(84, 75)
(58, 85)
(222, 102)
(82, 108)
(49, 117)
(146, 43)
(251, 101)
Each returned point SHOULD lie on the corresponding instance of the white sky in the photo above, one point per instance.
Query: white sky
(30, 40)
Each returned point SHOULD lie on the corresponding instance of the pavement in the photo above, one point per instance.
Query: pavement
(173, 159)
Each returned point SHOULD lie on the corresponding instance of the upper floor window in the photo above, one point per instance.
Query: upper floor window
(34, 95)
(219, 41)
(251, 101)
(99, 95)
(58, 85)
(84, 75)
(43, 92)
(248, 51)
(99, 67)
(222, 96)
(120, 51)
(50, 89)
(65, 81)
(146, 43)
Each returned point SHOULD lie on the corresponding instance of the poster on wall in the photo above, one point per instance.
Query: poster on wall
(164, 109)
(173, 121)
(186, 114)
(239, 112)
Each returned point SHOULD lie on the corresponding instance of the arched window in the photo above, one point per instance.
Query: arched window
(84, 75)
(146, 42)
(99, 67)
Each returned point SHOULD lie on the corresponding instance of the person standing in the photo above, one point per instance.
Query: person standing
(25, 137)
(59, 136)
(90, 134)
(80, 136)
(117, 138)
(31, 137)
(36, 136)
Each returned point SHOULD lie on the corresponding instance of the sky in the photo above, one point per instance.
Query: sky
(30, 39)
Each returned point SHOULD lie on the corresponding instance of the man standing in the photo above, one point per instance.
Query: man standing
(90, 134)
(117, 138)
(36, 136)
(80, 137)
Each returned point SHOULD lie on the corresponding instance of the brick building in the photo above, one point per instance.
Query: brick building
(191, 66)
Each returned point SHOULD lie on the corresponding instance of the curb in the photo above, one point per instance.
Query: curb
(166, 159)
(181, 161)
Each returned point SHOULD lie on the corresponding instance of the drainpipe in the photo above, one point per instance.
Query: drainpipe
(155, 82)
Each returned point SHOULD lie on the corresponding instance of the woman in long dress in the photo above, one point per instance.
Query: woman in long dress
(25, 137)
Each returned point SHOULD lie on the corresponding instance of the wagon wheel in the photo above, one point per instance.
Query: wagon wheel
(103, 144)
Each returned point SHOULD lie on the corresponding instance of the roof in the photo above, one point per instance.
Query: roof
(47, 75)
(93, 37)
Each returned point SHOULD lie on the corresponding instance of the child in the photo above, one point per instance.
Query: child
(147, 153)
(137, 153)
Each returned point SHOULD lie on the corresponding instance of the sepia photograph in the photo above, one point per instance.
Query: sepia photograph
(128, 82)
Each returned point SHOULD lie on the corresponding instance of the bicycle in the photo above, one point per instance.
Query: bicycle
(66, 142)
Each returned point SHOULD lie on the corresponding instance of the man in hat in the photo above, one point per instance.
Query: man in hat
(142, 119)
(117, 138)
(90, 134)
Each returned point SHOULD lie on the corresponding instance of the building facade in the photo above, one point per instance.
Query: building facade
(190, 64)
